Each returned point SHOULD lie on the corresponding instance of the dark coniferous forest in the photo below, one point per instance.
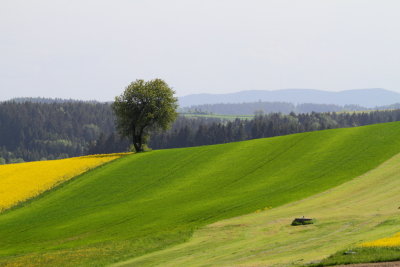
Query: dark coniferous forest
(32, 131)
(250, 108)
(267, 107)
(35, 131)
(186, 133)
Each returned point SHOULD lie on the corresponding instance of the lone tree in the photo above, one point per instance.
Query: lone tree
(143, 107)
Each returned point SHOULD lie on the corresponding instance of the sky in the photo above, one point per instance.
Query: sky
(92, 49)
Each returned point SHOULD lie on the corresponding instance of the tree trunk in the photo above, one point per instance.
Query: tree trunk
(138, 147)
(137, 143)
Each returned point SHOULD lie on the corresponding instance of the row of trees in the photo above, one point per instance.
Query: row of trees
(266, 107)
(187, 132)
(35, 131)
(146, 107)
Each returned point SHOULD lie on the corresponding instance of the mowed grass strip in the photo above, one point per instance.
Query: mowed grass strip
(22, 181)
(361, 255)
(150, 201)
(382, 249)
(362, 209)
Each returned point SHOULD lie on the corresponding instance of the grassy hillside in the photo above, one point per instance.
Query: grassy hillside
(149, 201)
(360, 210)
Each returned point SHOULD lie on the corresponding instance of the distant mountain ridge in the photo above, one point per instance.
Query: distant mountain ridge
(363, 97)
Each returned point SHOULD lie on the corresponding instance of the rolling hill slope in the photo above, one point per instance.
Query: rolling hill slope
(149, 201)
(362, 209)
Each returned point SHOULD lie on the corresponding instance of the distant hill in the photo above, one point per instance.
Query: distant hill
(364, 97)
(250, 108)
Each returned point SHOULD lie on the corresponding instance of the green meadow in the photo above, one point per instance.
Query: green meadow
(363, 209)
(197, 206)
(361, 255)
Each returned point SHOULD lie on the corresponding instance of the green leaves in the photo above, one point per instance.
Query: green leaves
(144, 106)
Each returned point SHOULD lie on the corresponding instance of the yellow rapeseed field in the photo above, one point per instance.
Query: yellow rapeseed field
(393, 241)
(22, 181)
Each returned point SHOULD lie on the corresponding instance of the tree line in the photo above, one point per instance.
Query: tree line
(38, 131)
(31, 131)
(186, 133)
(273, 107)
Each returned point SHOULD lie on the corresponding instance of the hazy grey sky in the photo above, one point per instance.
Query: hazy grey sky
(91, 49)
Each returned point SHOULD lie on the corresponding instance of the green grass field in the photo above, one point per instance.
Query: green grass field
(151, 201)
(363, 209)
(361, 255)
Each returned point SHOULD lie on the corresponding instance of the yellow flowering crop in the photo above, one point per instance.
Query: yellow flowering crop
(22, 181)
(393, 241)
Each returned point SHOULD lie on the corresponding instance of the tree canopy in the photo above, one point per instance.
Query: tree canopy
(144, 107)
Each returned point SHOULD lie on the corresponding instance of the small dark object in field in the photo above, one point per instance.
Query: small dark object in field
(302, 221)
(350, 252)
